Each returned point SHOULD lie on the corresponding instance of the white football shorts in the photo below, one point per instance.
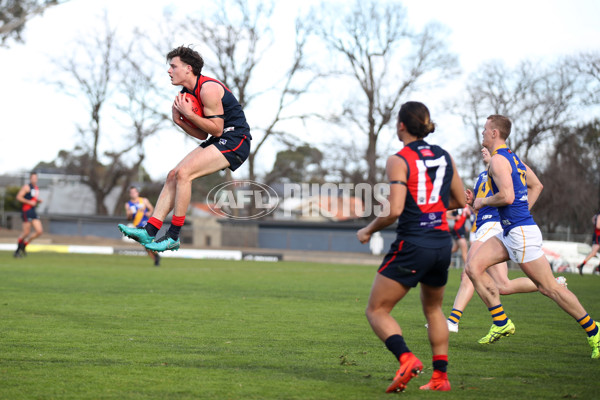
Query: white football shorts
(523, 243)
(486, 231)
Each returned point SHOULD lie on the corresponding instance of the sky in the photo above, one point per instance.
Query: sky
(37, 120)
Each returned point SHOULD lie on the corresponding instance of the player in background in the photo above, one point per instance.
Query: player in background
(595, 242)
(226, 134)
(28, 196)
(138, 210)
(521, 239)
(458, 231)
(424, 184)
(487, 225)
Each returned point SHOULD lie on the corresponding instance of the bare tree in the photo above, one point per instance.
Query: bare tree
(572, 177)
(386, 59)
(238, 35)
(14, 14)
(587, 66)
(540, 99)
(141, 102)
(96, 73)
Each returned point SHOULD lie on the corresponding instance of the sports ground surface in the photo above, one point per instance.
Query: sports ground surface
(114, 327)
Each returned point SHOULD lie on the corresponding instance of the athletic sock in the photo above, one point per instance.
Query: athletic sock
(455, 316)
(589, 325)
(396, 345)
(440, 363)
(498, 316)
(153, 226)
(175, 228)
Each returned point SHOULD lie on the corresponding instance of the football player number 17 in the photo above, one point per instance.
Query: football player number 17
(422, 166)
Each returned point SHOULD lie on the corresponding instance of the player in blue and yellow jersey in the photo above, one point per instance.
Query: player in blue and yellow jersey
(221, 124)
(424, 184)
(28, 195)
(520, 240)
(138, 210)
(595, 242)
(486, 226)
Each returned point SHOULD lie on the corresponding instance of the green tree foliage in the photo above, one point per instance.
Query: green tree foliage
(10, 199)
(297, 165)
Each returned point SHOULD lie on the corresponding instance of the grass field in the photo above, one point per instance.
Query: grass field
(114, 327)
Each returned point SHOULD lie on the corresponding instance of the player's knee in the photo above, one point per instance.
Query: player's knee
(470, 270)
(172, 176)
(551, 291)
(503, 290)
(369, 312)
(183, 175)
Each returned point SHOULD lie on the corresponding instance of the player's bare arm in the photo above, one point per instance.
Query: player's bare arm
(458, 198)
(128, 212)
(396, 172)
(534, 187)
(211, 95)
(500, 171)
(470, 197)
(149, 206)
(21, 196)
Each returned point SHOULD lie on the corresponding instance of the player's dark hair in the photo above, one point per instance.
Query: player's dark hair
(415, 117)
(188, 56)
(501, 123)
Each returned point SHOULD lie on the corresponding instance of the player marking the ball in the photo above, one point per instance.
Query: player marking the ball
(220, 124)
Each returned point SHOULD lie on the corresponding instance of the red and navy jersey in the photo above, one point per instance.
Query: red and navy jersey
(429, 174)
(33, 194)
(233, 115)
(462, 218)
(517, 213)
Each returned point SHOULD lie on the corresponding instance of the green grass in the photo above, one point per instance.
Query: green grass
(115, 327)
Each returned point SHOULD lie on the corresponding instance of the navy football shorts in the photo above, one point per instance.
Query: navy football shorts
(410, 264)
(29, 215)
(459, 233)
(235, 148)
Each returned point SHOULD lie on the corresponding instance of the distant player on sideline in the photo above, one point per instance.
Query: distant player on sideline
(222, 122)
(486, 226)
(138, 210)
(595, 242)
(458, 231)
(28, 196)
(424, 184)
(521, 239)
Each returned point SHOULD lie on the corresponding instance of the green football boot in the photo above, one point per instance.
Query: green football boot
(594, 342)
(163, 244)
(496, 332)
(140, 235)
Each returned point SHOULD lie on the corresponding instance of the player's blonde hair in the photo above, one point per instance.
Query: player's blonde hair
(502, 123)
